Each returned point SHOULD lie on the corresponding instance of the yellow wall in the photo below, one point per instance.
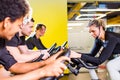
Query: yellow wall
(52, 13)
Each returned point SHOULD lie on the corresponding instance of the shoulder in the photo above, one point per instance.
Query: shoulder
(2, 43)
(29, 39)
(14, 41)
(113, 37)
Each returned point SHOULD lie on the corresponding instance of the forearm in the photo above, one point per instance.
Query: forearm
(27, 57)
(22, 57)
(24, 49)
(26, 67)
(92, 60)
(34, 51)
(33, 75)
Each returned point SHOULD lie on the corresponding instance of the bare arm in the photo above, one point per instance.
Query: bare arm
(26, 67)
(55, 68)
(28, 76)
(24, 49)
(15, 52)
(74, 54)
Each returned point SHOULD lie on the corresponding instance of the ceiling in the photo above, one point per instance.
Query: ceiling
(81, 10)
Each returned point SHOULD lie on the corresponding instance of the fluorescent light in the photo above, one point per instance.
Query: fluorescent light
(98, 9)
(96, 16)
(83, 19)
(113, 25)
(91, 14)
(101, 16)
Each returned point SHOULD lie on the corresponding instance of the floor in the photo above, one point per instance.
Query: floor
(102, 74)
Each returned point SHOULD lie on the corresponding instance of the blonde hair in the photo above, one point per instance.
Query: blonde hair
(96, 22)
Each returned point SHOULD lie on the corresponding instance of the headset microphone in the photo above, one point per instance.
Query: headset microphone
(98, 34)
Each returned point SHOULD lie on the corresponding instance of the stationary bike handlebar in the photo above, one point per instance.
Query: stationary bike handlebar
(87, 65)
(66, 52)
(55, 49)
(49, 51)
(52, 48)
(78, 63)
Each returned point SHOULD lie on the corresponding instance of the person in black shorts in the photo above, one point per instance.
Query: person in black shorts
(35, 41)
(12, 13)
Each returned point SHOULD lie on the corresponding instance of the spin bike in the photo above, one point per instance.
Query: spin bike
(52, 51)
(74, 66)
(78, 63)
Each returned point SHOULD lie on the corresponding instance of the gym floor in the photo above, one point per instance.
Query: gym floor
(84, 75)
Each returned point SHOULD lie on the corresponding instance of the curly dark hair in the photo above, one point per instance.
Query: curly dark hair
(13, 9)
